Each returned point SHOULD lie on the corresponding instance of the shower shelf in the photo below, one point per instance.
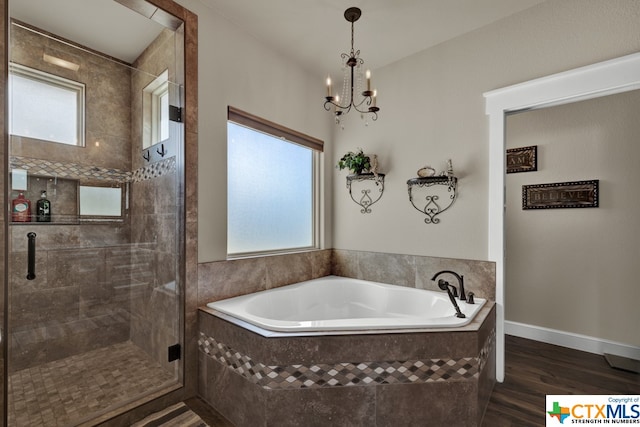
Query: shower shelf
(366, 201)
(447, 186)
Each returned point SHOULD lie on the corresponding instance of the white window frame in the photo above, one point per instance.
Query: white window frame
(154, 92)
(56, 81)
(259, 124)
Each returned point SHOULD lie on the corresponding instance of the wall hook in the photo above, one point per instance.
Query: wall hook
(161, 150)
(146, 155)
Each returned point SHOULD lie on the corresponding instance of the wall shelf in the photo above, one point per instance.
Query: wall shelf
(433, 188)
(361, 180)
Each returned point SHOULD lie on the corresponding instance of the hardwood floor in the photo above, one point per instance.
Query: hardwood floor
(533, 370)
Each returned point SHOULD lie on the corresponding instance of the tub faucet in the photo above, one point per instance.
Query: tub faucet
(463, 296)
(445, 286)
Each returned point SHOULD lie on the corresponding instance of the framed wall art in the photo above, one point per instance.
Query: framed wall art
(523, 159)
(575, 194)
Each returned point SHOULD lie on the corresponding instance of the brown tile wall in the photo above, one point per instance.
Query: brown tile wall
(107, 100)
(155, 318)
(154, 300)
(225, 279)
(444, 400)
(79, 300)
(415, 271)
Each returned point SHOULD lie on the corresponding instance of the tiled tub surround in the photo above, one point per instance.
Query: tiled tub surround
(433, 377)
(225, 279)
(306, 391)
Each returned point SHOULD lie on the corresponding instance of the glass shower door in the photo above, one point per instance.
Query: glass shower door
(94, 301)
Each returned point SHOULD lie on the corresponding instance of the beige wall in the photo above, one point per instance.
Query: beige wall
(432, 109)
(575, 269)
(237, 69)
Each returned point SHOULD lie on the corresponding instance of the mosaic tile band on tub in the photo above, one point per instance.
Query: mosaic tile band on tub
(347, 373)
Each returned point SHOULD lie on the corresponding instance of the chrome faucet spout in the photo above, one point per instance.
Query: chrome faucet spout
(463, 296)
(445, 286)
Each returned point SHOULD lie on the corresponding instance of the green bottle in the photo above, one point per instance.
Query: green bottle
(43, 208)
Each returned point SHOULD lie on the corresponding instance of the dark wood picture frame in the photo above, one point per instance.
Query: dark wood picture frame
(523, 159)
(574, 194)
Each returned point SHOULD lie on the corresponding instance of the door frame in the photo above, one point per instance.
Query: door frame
(601, 79)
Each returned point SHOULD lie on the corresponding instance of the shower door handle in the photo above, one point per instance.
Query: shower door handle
(31, 257)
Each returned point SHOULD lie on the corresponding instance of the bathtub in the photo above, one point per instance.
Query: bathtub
(333, 305)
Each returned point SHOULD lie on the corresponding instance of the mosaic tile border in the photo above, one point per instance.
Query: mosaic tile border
(345, 374)
(79, 171)
(67, 170)
(486, 349)
(155, 170)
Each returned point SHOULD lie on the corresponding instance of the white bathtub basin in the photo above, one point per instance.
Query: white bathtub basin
(336, 303)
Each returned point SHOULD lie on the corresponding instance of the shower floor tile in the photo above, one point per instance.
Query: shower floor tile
(68, 391)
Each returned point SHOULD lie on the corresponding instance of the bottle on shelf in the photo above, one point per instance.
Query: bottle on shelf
(43, 208)
(21, 209)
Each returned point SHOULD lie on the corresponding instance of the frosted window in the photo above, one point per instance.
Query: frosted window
(45, 107)
(100, 201)
(164, 115)
(270, 193)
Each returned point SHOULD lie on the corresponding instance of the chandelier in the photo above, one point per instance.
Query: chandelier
(355, 95)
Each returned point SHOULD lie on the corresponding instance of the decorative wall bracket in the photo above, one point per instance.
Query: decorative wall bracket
(367, 199)
(438, 186)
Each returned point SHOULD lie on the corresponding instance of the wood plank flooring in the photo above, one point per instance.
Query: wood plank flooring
(533, 370)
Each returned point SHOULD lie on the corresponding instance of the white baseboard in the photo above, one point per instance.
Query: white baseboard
(571, 340)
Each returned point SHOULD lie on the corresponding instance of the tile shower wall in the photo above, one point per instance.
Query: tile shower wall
(107, 99)
(154, 297)
(80, 298)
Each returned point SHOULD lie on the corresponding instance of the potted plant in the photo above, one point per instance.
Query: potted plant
(356, 162)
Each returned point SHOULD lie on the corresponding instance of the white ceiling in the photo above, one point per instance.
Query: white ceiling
(102, 25)
(312, 32)
(315, 32)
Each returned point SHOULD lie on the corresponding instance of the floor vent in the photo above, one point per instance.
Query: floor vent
(624, 363)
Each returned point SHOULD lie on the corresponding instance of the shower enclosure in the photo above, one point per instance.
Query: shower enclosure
(95, 211)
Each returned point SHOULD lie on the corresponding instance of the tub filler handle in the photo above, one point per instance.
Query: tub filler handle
(470, 298)
(31, 257)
